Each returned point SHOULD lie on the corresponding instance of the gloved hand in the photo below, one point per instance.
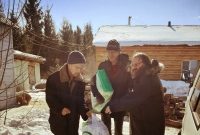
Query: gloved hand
(100, 99)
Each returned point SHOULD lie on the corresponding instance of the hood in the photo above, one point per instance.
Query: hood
(155, 69)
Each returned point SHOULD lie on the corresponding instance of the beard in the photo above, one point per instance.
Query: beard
(136, 72)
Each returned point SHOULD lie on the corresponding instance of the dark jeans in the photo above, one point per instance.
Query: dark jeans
(118, 123)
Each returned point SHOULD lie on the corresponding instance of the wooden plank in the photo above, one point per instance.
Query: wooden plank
(159, 49)
(158, 46)
(170, 72)
(173, 50)
(165, 57)
(178, 66)
(169, 77)
(174, 123)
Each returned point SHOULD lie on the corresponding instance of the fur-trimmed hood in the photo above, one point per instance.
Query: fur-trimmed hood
(64, 75)
(155, 69)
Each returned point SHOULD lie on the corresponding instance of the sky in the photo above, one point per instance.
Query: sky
(116, 12)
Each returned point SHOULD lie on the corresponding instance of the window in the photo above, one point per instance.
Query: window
(185, 65)
(191, 65)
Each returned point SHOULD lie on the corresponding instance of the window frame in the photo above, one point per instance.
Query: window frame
(193, 107)
(189, 66)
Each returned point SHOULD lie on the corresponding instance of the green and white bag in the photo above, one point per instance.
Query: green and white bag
(105, 89)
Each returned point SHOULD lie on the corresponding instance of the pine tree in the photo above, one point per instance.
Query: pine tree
(33, 15)
(78, 38)
(87, 36)
(51, 39)
(50, 42)
(89, 51)
(67, 37)
(2, 14)
(17, 33)
(66, 32)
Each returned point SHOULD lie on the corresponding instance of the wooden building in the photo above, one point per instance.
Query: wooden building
(27, 70)
(7, 89)
(177, 47)
(17, 69)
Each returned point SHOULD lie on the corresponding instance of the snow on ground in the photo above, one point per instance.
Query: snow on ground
(33, 119)
(178, 88)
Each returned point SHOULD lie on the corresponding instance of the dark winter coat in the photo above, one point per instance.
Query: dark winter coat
(119, 80)
(146, 104)
(59, 96)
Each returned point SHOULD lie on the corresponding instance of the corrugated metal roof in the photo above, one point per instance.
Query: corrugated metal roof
(26, 56)
(128, 35)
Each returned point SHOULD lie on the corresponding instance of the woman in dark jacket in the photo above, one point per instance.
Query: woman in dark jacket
(145, 99)
(65, 96)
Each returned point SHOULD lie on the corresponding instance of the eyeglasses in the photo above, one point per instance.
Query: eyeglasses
(136, 64)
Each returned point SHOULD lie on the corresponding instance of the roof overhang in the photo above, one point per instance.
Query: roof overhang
(28, 57)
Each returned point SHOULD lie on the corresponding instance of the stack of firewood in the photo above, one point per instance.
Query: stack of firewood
(174, 110)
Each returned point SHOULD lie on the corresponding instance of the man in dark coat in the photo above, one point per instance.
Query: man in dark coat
(65, 96)
(145, 100)
(116, 70)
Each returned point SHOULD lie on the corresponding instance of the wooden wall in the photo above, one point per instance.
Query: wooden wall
(170, 55)
(7, 86)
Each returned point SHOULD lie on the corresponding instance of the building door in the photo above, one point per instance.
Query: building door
(31, 74)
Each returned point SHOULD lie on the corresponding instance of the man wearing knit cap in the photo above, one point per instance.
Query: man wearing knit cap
(65, 96)
(115, 67)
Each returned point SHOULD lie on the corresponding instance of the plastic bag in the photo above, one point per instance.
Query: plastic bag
(94, 126)
(105, 89)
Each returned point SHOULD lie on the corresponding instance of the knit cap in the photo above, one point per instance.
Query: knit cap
(76, 57)
(113, 45)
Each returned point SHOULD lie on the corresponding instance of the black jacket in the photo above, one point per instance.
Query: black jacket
(145, 103)
(58, 96)
(119, 80)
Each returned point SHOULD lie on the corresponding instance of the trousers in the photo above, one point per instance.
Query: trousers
(118, 123)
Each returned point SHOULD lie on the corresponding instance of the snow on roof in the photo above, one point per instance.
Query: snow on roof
(27, 56)
(128, 35)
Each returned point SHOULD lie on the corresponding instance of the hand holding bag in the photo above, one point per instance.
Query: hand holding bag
(94, 126)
